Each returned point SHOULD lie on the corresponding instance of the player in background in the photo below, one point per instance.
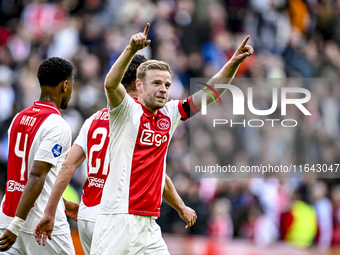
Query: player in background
(92, 143)
(39, 140)
(140, 132)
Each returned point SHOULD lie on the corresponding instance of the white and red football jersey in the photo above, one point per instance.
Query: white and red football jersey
(38, 133)
(138, 146)
(94, 139)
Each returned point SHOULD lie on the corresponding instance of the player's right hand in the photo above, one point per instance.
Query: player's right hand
(44, 229)
(7, 240)
(140, 41)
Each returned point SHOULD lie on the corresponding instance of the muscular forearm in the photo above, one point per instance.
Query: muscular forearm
(228, 71)
(74, 159)
(116, 73)
(224, 76)
(171, 196)
(65, 174)
(113, 90)
(31, 192)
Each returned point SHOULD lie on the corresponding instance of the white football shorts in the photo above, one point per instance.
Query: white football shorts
(85, 229)
(27, 245)
(127, 234)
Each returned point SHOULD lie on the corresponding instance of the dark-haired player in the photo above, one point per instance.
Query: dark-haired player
(92, 143)
(39, 139)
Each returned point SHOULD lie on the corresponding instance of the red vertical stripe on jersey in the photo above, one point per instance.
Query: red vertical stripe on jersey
(148, 164)
(93, 187)
(27, 123)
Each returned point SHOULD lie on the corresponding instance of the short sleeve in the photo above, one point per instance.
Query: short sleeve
(172, 110)
(55, 140)
(123, 110)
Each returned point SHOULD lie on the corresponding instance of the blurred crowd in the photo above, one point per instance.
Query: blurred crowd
(292, 39)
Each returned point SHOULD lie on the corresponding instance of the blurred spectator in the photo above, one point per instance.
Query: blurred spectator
(7, 95)
(41, 18)
(335, 197)
(324, 212)
(260, 227)
(220, 224)
(303, 224)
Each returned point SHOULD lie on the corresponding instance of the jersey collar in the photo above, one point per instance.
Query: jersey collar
(146, 111)
(46, 104)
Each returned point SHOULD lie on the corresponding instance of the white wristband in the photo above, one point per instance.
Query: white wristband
(15, 225)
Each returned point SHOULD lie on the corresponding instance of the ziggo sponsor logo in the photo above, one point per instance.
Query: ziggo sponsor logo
(148, 137)
(96, 182)
(13, 186)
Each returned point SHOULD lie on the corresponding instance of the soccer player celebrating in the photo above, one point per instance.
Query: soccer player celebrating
(92, 143)
(140, 132)
(39, 139)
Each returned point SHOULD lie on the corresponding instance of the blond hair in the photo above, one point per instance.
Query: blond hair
(151, 65)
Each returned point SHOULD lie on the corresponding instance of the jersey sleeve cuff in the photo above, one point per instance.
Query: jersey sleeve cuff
(181, 110)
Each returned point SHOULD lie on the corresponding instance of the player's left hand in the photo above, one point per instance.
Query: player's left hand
(71, 209)
(7, 240)
(189, 216)
(243, 51)
(44, 229)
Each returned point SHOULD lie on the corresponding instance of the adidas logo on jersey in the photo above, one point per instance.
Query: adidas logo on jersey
(147, 125)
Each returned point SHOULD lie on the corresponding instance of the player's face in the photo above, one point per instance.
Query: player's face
(68, 92)
(155, 89)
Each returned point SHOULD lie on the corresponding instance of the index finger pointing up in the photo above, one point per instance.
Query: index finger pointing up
(146, 29)
(244, 42)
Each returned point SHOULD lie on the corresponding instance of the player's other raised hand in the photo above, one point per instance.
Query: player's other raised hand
(139, 41)
(243, 51)
(71, 209)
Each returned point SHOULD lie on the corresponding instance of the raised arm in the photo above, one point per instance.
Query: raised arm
(171, 196)
(226, 74)
(115, 91)
(74, 159)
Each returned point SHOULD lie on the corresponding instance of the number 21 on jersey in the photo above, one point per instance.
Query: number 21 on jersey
(101, 148)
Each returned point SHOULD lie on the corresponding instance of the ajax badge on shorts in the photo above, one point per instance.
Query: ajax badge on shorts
(56, 150)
